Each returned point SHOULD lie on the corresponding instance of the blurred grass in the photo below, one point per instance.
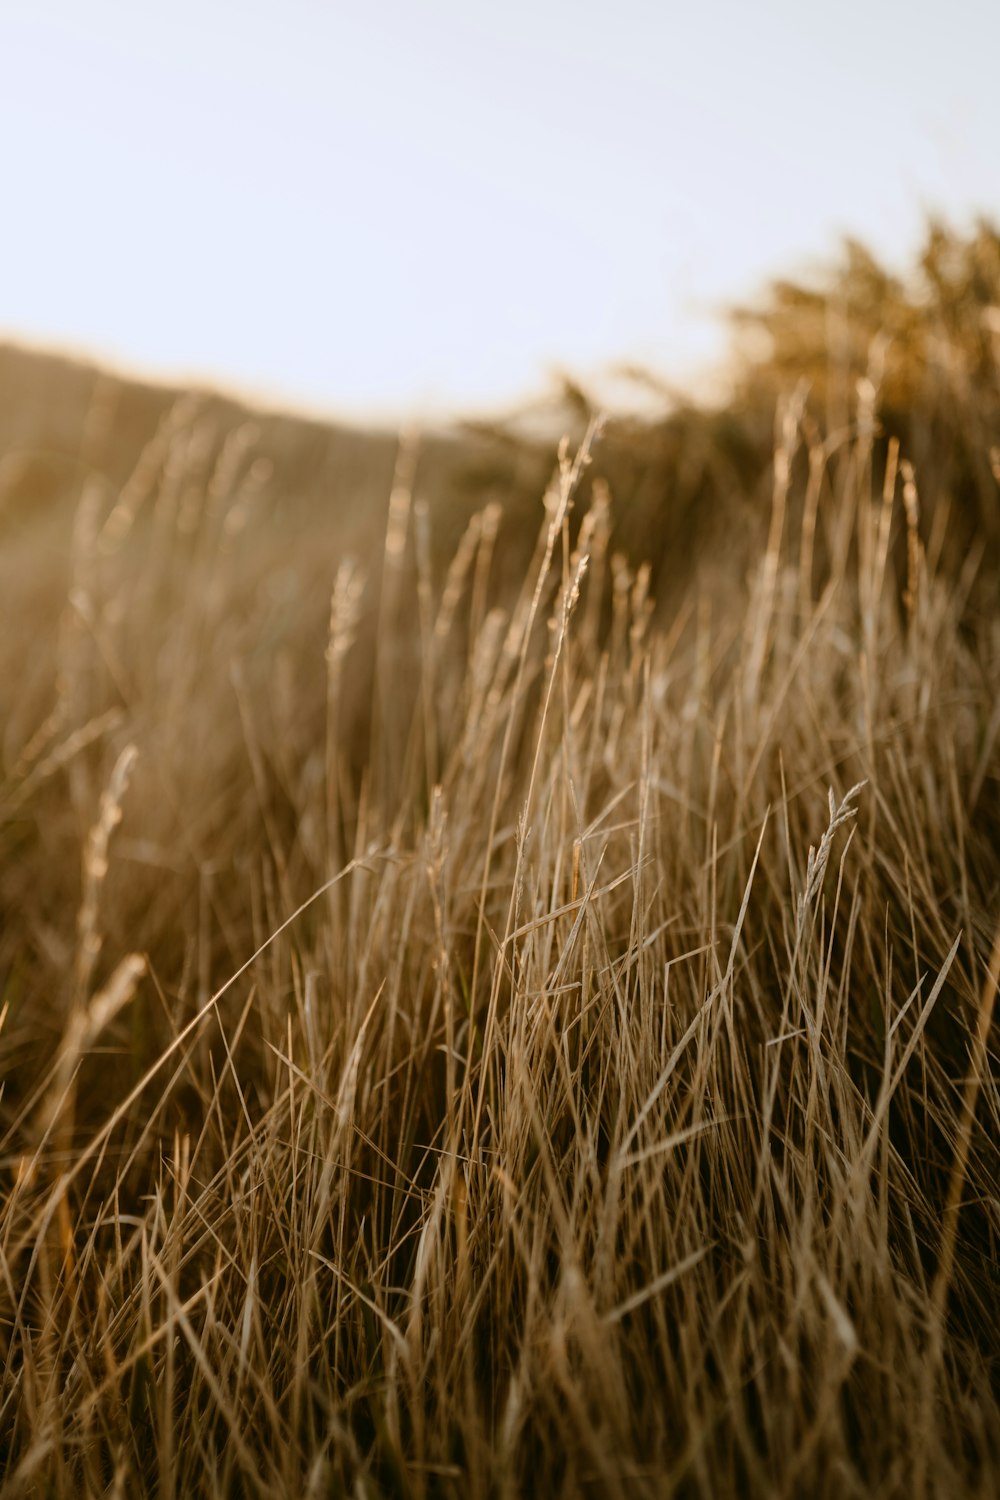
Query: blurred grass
(497, 942)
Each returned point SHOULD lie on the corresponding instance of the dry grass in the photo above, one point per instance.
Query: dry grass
(469, 1041)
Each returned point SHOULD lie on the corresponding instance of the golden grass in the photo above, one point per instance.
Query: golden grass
(480, 1041)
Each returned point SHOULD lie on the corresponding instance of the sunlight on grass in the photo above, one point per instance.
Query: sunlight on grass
(498, 973)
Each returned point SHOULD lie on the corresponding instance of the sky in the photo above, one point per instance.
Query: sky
(389, 209)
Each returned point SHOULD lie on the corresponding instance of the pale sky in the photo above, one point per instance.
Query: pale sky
(389, 209)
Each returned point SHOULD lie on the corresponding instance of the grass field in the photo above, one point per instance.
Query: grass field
(499, 947)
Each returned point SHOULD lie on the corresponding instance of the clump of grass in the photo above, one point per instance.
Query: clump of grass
(516, 1040)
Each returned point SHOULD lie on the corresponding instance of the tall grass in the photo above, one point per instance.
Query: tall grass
(472, 1040)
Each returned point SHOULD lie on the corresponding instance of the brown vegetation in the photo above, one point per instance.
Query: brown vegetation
(468, 1029)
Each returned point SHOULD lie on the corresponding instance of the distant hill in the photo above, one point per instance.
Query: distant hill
(58, 414)
(911, 359)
